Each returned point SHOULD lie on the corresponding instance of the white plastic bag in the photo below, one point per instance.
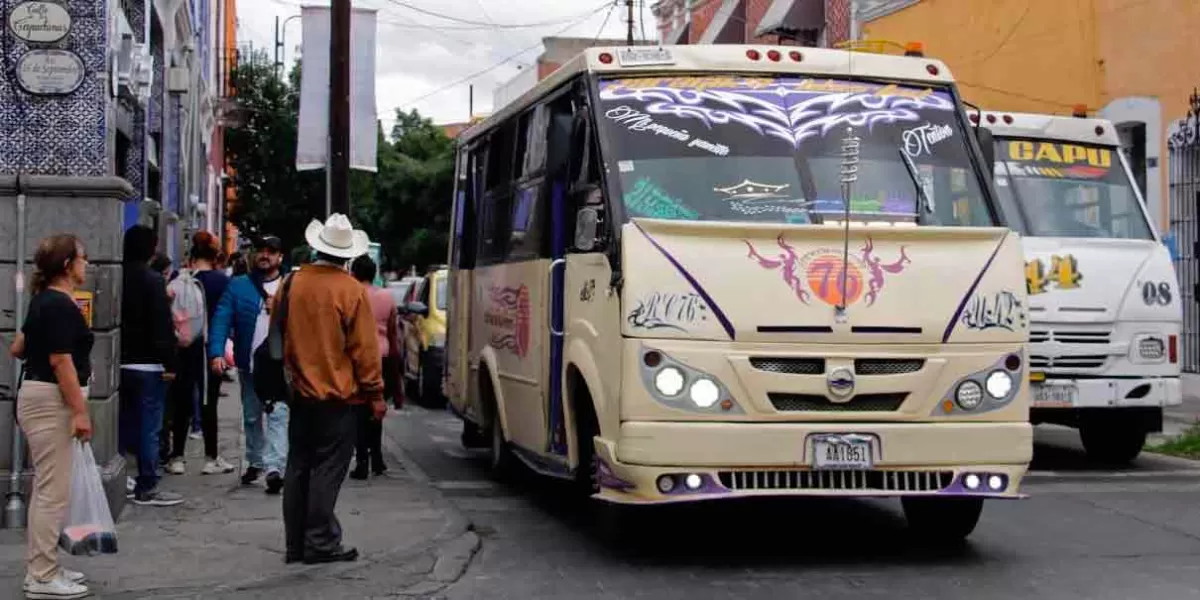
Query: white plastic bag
(89, 528)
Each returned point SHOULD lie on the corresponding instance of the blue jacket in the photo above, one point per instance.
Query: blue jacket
(236, 317)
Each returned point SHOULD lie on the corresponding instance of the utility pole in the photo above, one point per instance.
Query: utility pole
(278, 48)
(470, 102)
(629, 30)
(337, 198)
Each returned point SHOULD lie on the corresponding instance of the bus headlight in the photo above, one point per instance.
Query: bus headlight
(669, 381)
(999, 384)
(968, 395)
(1151, 348)
(704, 392)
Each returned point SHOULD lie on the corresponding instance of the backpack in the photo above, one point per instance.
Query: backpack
(271, 380)
(189, 311)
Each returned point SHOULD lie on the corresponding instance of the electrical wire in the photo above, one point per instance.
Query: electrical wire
(1005, 92)
(607, 16)
(487, 25)
(1006, 39)
(642, 21)
(499, 63)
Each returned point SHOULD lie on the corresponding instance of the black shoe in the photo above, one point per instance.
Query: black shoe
(339, 555)
(379, 469)
(359, 472)
(292, 558)
(274, 483)
(251, 475)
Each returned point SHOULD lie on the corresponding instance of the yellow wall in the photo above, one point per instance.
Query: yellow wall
(1048, 55)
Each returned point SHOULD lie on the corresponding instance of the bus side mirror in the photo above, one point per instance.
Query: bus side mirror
(418, 308)
(988, 145)
(588, 218)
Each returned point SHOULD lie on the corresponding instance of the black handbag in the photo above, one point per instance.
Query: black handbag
(269, 374)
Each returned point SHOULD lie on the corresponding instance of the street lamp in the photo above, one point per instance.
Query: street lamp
(281, 41)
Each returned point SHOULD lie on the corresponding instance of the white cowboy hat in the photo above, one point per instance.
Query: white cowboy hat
(336, 237)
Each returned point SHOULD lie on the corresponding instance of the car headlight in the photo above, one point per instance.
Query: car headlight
(705, 393)
(669, 381)
(999, 384)
(968, 395)
(1151, 348)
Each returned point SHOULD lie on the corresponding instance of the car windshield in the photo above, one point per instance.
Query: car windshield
(771, 149)
(441, 293)
(1069, 190)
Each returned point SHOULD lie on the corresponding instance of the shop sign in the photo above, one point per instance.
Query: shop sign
(40, 22)
(50, 72)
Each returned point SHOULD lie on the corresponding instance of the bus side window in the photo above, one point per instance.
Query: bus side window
(495, 221)
(529, 205)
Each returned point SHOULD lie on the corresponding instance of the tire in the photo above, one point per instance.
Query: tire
(501, 462)
(473, 436)
(1111, 442)
(586, 427)
(942, 521)
(430, 383)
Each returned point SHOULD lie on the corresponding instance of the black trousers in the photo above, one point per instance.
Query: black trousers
(320, 442)
(208, 413)
(368, 446)
(189, 381)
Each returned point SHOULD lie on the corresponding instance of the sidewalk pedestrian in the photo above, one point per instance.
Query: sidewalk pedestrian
(147, 364)
(242, 313)
(368, 451)
(56, 344)
(332, 355)
(192, 382)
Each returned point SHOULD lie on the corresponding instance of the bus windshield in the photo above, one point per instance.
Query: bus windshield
(771, 149)
(1069, 190)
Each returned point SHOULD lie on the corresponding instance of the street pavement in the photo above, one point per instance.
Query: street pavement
(1086, 532)
(226, 540)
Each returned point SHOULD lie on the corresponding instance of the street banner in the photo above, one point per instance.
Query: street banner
(312, 143)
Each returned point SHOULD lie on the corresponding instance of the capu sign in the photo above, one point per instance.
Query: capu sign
(1061, 154)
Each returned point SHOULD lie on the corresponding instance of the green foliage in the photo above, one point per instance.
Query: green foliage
(405, 206)
(1186, 444)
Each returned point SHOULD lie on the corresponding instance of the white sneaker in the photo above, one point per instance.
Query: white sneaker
(59, 588)
(217, 465)
(177, 466)
(196, 435)
(72, 576)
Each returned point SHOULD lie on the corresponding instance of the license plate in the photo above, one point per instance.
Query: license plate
(1054, 396)
(638, 57)
(842, 454)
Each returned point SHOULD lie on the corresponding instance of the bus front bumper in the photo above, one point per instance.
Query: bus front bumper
(1106, 392)
(657, 462)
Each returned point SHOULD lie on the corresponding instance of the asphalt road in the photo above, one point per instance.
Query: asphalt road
(1086, 532)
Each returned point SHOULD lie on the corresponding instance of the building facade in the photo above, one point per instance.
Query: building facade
(824, 23)
(128, 89)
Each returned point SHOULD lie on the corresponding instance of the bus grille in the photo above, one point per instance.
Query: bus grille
(817, 403)
(1037, 361)
(789, 366)
(887, 366)
(872, 480)
(1067, 336)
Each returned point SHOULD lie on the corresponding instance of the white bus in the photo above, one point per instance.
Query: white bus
(714, 272)
(1103, 295)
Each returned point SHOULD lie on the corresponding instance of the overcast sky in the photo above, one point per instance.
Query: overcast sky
(419, 53)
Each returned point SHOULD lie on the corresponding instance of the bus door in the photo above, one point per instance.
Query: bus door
(462, 262)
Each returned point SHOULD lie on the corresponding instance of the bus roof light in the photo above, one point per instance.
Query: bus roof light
(753, 54)
(796, 55)
(974, 117)
(932, 69)
(914, 49)
(991, 118)
(606, 58)
(1099, 130)
(1008, 119)
(774, 55)
(1079, 111)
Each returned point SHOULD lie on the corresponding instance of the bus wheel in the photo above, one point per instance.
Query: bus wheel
(586, 428)
(1111, 441)
(501, 463)
(942, 520)
(474, 436)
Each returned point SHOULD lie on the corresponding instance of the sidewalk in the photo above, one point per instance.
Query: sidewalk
(226, 537)
(1188, 413)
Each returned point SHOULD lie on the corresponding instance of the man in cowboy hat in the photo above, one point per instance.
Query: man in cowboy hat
(331, 354)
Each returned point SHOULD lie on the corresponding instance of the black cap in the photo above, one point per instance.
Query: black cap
(269, 242)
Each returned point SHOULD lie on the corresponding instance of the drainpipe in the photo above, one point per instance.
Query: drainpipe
(14, 508)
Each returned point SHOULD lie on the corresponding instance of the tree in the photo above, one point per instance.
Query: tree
(405, 206)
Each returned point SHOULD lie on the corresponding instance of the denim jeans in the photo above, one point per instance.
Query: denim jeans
(266, 433)
(143, 395)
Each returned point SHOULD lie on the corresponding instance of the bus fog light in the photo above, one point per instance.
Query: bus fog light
(971, 481)
(968, 395)
(996, 482)
(666, 484)
(669, 381)
(705, 393)
(693, 481)
(999, 384)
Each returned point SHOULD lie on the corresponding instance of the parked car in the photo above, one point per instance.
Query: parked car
(425, 338)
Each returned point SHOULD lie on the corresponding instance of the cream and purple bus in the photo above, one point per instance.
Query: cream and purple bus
(716, 272)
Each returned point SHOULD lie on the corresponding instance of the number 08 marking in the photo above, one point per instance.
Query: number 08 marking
(1156, 293)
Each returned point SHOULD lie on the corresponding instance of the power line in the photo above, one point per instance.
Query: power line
(607, 16)
(498, 64)
(488, 25)
(1007, 37)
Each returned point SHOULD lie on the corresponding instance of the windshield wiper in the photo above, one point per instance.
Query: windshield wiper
(926, 203)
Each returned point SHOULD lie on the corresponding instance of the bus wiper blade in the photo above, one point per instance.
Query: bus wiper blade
(926, 203)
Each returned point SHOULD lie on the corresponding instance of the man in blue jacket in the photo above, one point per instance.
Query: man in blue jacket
(242, 312)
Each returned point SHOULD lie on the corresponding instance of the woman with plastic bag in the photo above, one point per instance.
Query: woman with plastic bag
(55, 343)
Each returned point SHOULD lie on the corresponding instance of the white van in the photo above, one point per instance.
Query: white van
(1103, 297)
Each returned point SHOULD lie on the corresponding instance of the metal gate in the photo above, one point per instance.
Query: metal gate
(1184, 168)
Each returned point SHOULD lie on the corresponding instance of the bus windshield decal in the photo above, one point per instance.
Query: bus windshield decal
(1058, 160)
(788, 110)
